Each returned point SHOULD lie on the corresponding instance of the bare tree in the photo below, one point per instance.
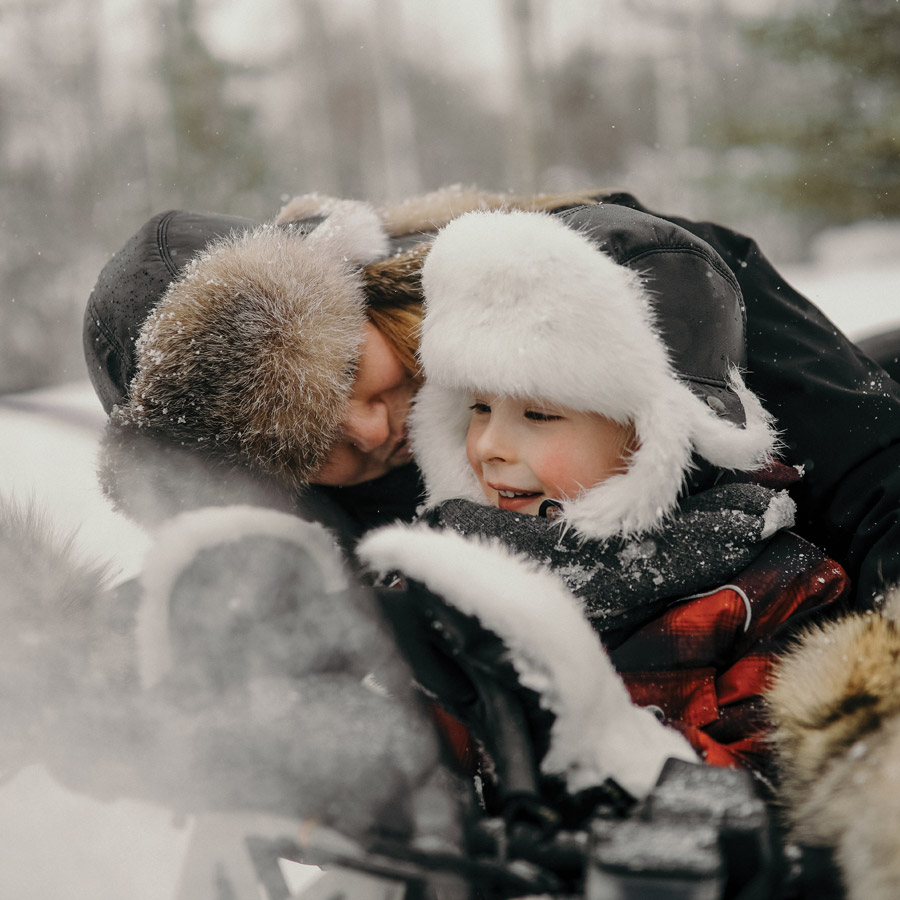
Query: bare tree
(527, 109)
(400, 171)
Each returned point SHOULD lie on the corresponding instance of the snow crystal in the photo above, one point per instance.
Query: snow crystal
(637, 550)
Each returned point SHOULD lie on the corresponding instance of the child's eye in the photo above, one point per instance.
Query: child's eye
(479, 407)
(538, 416)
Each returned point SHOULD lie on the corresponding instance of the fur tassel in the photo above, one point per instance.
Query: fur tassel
(351, 228)
(835, 705)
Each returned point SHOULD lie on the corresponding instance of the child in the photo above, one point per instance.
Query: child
(583, 404)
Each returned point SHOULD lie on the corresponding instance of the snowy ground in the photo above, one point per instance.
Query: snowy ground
(855, 277)
(57, 844)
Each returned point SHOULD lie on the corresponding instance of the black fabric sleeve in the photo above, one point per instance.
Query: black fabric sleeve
(838, 411)
(393, 497)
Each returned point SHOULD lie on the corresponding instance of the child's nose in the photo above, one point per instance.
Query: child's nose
(495, 444)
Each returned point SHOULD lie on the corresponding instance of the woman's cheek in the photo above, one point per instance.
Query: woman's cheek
(341, 468)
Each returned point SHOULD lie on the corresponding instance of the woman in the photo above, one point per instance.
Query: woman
(839, 412)
(231, 357)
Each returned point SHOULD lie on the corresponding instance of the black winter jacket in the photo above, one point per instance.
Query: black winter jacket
(838, 411)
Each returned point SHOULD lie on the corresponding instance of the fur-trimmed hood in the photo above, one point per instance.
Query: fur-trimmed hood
(603, 309)
(250, 354)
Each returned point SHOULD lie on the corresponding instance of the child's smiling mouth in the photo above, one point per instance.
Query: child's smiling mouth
(513, 499)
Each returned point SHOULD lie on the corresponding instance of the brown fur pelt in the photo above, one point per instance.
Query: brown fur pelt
(835, 705)
(44, 582)
(399, 276)
(426, 213)
(249, 357)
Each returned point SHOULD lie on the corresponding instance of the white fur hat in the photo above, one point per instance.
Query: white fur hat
(601, 309)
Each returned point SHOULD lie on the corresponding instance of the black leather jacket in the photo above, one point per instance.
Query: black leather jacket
(839, 414)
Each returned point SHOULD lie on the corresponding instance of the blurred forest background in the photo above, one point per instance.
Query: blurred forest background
(776, 117)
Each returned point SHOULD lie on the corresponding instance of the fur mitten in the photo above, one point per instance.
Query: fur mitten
(278, 687)
(596, 733)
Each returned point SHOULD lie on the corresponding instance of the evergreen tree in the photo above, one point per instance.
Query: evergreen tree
(837, 109)
(218, 154)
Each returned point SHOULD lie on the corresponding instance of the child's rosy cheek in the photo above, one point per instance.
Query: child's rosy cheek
(555, 468)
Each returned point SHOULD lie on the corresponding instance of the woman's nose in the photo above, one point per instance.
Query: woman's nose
(368, 427)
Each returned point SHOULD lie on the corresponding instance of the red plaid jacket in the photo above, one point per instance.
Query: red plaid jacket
(706, 661)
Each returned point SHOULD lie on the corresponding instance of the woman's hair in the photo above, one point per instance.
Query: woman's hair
(393, 289)
(399, 323)
(393, 286)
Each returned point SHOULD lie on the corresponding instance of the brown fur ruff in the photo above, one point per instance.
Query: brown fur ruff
(63, 635)
(399, 276)
(835, 704)
(44, 582)
(250, 356)
(426, 213)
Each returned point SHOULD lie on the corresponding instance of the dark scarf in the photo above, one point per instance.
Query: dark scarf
(624, 582)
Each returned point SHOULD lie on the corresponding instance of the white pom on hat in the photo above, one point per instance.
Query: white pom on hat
(348, 228)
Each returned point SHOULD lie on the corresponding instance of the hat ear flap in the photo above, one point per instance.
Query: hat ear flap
(639, 498)
(733, 447)
(438, 424)
(669, 430)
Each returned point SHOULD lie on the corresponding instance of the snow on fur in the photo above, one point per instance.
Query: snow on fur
(249, 355)
(517, 303)
(597, 732)
(186, 535)
(781, 513)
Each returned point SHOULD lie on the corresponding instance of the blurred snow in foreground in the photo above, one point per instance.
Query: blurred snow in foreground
(48, 447)
(58, 844)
